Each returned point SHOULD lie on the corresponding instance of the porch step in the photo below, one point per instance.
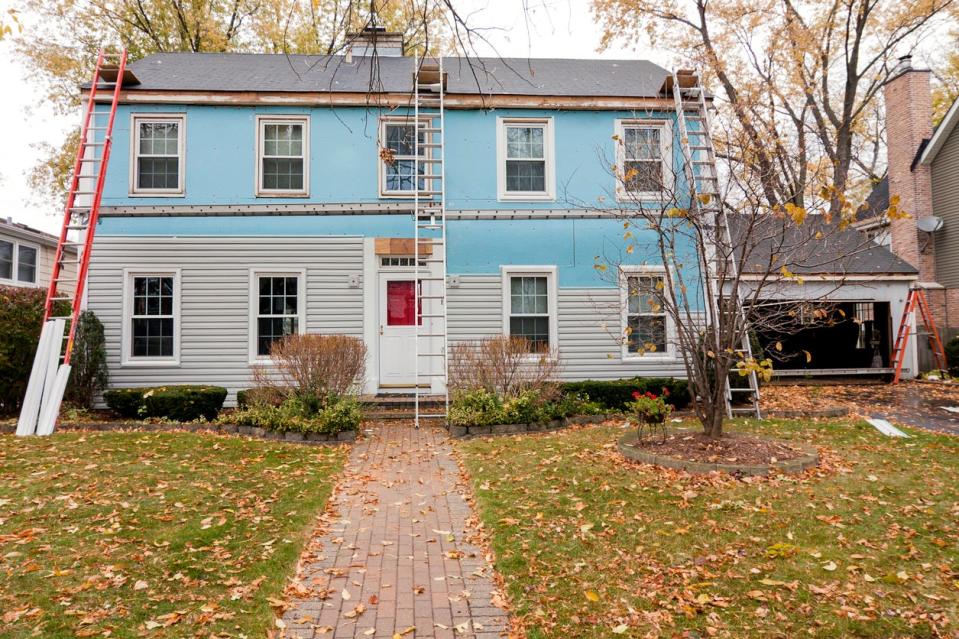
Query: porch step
(396, 401)
(402, 413)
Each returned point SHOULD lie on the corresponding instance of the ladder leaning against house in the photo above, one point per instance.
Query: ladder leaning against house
(48, 379)
(916, 300)
(429, 232)
(699, 160)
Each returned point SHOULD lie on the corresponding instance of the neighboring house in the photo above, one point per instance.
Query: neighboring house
(253, 196)
(26, 255)
(923, 173)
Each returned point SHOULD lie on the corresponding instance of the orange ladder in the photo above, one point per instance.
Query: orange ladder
(917, 300)
(49, 376)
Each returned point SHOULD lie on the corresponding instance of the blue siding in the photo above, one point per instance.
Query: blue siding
(476, 247)
(220, 156)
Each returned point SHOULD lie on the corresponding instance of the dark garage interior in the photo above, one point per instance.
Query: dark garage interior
(837, 338)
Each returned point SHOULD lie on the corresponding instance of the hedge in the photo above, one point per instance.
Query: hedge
(21, 318)
(615, 394)
(185, 403)
(952, 356)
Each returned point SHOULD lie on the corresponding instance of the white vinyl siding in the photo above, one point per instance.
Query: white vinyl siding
(215, 298)
(158, 155)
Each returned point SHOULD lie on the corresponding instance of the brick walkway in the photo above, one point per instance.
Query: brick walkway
(396, 556)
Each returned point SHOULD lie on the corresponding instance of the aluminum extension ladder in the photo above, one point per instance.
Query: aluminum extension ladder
(699, 159)
(51, 365)
(429, 233)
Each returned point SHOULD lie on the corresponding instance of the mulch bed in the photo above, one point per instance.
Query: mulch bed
(730, 449)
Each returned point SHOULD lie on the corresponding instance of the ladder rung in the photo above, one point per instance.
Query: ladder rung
(78, 227)
(432, 415)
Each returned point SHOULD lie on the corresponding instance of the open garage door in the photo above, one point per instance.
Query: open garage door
(831, 339)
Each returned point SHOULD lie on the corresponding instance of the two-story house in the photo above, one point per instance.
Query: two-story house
(27, 255)
(251, 196)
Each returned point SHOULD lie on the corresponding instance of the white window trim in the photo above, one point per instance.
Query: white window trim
(506, 272)
(261, 122)
(625, 272)
(126, 332)
(15, 267)
(381, 165)
(277, 271)
(549, 154)
(666, 139)
(135, 120)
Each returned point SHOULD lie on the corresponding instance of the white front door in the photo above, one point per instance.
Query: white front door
(397, 326)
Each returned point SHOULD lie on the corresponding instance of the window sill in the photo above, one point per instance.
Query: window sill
(625, 197)
(526, 197)
(146, 363)
(156, 194)
(265, 194)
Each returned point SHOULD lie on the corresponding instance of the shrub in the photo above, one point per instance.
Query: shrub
(952, 356)
(313, 366)
(337, 414)
(617, 394)
(125, 402)
(484, 408)
(178, 403)
(21, 318)
(88, 375)
(506, 366)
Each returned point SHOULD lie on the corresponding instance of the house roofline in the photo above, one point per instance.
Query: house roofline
(388, 100)
(941, 134)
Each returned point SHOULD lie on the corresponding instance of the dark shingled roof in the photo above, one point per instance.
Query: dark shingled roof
(845, 252)
(307, 73)
(877, 203)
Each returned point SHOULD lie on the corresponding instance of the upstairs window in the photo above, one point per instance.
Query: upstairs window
(643, 151)
(27, 264)
(525, 150)
(398, 159)
(283, 156)
(6, 260)
(158, 155)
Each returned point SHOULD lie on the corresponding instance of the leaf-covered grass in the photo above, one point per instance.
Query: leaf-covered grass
(591, 545)
(152, 534)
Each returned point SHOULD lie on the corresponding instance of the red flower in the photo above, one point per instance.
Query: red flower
(665, 392)
(650, 395)
(636, 395)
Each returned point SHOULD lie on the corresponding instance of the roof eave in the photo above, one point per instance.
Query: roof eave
(939, 137)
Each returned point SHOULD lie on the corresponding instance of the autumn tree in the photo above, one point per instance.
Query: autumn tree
(800, 80)
(721, 268)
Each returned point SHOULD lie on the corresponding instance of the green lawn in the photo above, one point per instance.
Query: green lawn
(593, 546)
(152, 534)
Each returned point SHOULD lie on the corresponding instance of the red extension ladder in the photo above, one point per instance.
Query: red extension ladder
(48, 380)
(917, 300)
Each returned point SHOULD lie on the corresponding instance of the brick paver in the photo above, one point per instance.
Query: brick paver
(396, 555)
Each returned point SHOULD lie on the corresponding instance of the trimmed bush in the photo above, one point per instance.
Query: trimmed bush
(125, 402)
(242, 399)
(178, 403)
(333, 415)
(617, 394)
(21, 318)
(88, 374)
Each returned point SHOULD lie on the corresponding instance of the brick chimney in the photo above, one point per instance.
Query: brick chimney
(908, 124)
(375, 38)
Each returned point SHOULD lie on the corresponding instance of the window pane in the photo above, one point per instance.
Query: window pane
(283, 174)
(27, 264)
(644, 176)
(534, 329)
(400, 303)
(642, 144)
(159, 138)
(399, 139)
(526, 175)
(399, 175)
(524, 142)
(528, 296)
(647, 334)
(6, 259)
(157, 173)
(644, 294)
(271, 329)
(152, 337)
